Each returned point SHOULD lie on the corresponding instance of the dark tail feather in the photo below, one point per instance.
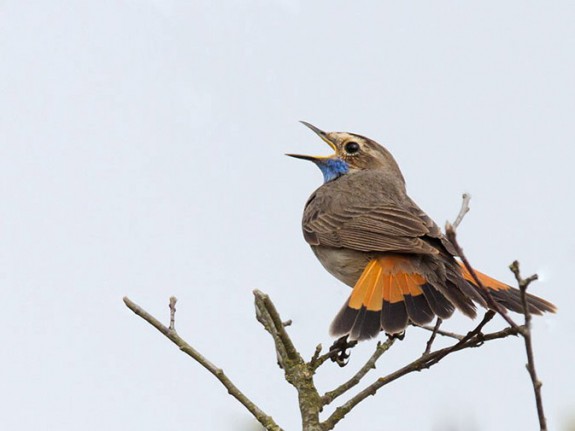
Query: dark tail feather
(393, 317)
(438, 303)
(511, 299)
(359, 324)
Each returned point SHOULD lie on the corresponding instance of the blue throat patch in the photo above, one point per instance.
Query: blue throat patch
(332, 168)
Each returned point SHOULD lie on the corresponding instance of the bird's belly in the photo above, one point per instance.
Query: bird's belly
(344, 264)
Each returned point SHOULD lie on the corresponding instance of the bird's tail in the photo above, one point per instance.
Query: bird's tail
(395, 290)
(388, 295)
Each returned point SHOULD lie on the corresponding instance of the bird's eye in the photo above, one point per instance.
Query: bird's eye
(351, 147)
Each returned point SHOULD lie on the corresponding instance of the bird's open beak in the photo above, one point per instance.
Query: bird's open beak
(323, 137)
(321, 134)
(304, 157)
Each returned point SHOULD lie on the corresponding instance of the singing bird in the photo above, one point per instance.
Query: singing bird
(368, 233)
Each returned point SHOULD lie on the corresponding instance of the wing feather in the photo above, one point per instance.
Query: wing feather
(355, 215)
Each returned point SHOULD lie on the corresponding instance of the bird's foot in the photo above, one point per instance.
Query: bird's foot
(339, 350)
(399, 336)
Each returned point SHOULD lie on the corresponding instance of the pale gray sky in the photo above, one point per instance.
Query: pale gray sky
(142, 152)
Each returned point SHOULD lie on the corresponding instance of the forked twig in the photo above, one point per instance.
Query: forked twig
(526, 333)
(485, 293)
(264, 419)
(473, 339)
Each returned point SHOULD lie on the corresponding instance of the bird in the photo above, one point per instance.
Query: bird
(368, 233)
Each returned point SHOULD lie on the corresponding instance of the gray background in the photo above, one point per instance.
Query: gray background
(142, 154)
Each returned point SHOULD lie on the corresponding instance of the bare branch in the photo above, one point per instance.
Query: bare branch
(433, 335)
(266, 310)
(369, 365)
(298, 373)
(523, 284)
(474, 339)
(172, 335)
(524, 330)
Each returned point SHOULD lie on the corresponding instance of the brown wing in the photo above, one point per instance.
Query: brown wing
(343, 215)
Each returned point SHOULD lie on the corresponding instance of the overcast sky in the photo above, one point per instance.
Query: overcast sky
(142, 152)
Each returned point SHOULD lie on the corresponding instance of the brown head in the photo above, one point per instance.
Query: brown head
(353, 153)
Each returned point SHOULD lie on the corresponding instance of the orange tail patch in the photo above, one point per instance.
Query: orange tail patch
(487, 281)
(506, 295)
(389, 294)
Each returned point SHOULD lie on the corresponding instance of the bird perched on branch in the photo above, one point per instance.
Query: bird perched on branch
(367, 232)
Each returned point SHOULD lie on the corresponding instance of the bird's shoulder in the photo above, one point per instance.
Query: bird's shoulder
(357, 196)
(366, 212)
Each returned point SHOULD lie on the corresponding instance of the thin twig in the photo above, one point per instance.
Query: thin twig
(263, 302)
(433, 335)
(173, 301)
(315, 356)
(369, 365)
(485, 293)
(475, 333)
(464, 210)
(523, 284)
(442, 332)
(319, 361)
(525, 330)
(451, 234)
(474, 339)
(263, 316)
(172, 335)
